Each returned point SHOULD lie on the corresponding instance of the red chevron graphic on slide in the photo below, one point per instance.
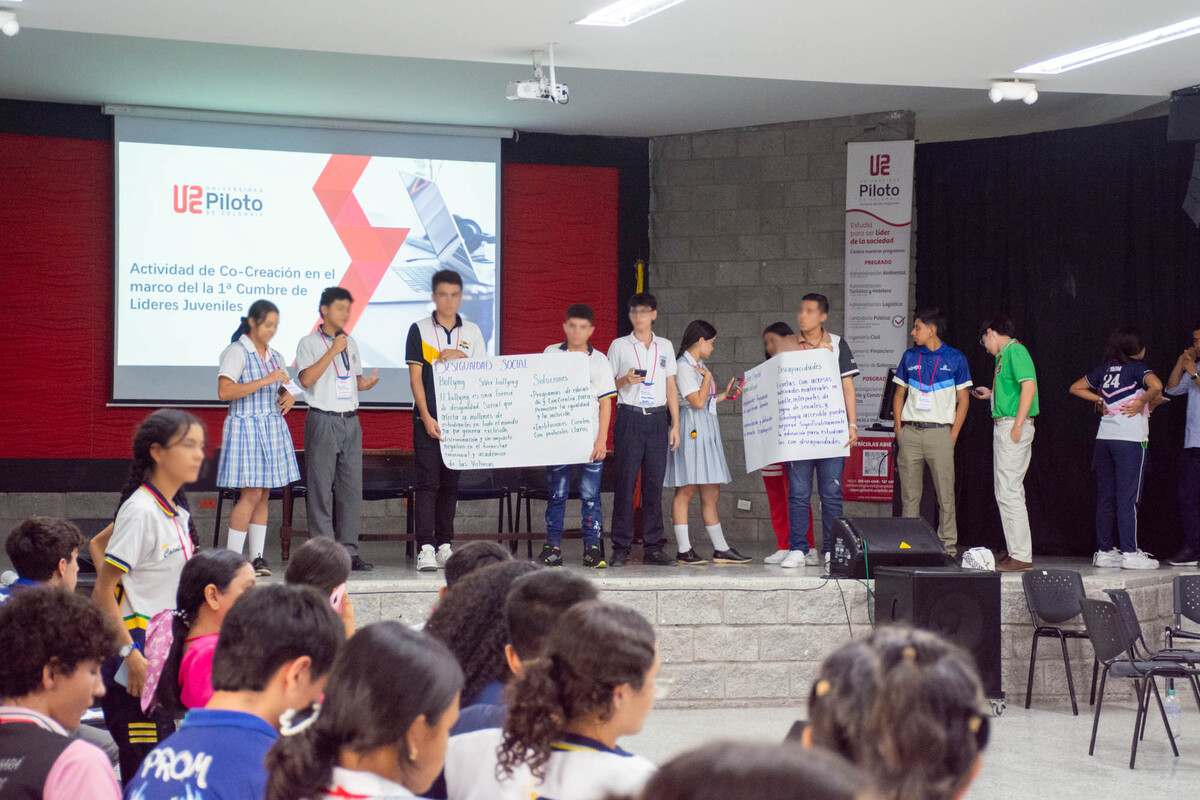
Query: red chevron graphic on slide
(371, 249)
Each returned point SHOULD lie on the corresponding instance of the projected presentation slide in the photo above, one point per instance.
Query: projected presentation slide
(203, 231)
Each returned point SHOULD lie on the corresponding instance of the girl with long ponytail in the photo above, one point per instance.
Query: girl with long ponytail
(180, 642)
(152, 538)
(382, 728)
(257, 454)
(594, 683)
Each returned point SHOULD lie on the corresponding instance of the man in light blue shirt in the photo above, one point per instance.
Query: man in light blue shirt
(1184, 380)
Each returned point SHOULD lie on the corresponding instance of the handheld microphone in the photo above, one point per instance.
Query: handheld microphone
(346, 352)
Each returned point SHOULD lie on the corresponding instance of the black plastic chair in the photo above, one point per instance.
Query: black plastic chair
(1114, 643)
(1187, 606)
(1053, 596)
(488, 484)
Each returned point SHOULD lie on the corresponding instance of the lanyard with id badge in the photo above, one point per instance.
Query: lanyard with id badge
(343, 387)
(646, 397)
(925, 391)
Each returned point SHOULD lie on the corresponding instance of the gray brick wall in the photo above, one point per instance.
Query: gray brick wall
(743, 223)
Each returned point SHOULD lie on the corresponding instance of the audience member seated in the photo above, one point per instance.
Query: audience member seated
(53, 643)
(180, 642)
(732, 770)
(471, 557)
(470, 621)
(382, 728)
(276, 647)
(594, 684)
(906, 706)
(324, 564)
(43, 550)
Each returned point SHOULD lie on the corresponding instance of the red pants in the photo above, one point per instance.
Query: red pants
(777, 499)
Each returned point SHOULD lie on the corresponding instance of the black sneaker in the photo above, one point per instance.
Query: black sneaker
(620, 557)
(657, 558)
(550, 556)
(358, 565)
(594, 557)
(1186, 557)
(261, 568)
(690, 558)
(729, 556)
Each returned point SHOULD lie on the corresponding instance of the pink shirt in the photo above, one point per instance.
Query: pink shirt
(195, 671)
(82, 770)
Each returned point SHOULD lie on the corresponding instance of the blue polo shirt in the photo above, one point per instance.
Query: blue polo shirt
(933, 379)
(215, 755)
(16, 586)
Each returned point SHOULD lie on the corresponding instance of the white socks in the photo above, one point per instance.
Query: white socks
(717, 536)
(236, 540)
(683, 542)
(258, 540)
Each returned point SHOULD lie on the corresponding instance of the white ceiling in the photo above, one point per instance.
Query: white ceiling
(945, 43)
(701, 65)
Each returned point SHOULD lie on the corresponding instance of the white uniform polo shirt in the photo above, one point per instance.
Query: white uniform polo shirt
(150, 546)
(323, 393)
(601, 376)
(658, 360)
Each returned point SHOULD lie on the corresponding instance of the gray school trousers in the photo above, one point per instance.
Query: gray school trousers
(333, 467)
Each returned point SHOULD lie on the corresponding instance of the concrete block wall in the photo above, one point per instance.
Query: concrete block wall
(743, 223)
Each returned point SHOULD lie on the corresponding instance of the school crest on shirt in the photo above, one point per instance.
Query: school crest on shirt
(662, 362)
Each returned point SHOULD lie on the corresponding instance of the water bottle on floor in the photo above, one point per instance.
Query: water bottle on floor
(1174, 712)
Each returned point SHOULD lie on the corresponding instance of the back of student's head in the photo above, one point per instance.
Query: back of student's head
(733, 770)
(470, 620)
(473, 556)
(536, 602)
(321, 562)
(594, 648)
(905, 705)
(38, 544)
(46, 626)
(1124, 344)
(270, 626)
(216, 568)
(387, 677)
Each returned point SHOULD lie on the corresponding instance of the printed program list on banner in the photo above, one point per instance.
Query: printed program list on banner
(515, 411)
(793, 409)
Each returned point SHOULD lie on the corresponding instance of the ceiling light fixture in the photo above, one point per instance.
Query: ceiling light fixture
(8, 23)
(626, 12)
(1014, 90)
(1121, 47)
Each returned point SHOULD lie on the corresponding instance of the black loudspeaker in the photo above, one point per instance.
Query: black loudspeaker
(861, 544)
(962, 605)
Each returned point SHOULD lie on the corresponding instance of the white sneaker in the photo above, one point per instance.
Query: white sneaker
(777, 557)
(427, 559)
(1138, 560)
(1108, 559)
(813, 559)
(794, 558)
(443, 555)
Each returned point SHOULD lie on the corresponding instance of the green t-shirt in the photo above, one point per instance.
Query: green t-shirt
(1013, 366)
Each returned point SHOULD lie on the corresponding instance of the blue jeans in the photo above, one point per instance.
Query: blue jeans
(800, 486)
(558, 484)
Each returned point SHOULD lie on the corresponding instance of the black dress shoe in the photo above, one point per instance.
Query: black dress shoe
(358, 565)
(657, 558)
(1186, 557)
(729, 556)
(620, 557)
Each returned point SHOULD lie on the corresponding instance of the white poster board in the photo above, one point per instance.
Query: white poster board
(793, 409)
(515, 411)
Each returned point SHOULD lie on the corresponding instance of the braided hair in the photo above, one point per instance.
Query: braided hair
(163, 428)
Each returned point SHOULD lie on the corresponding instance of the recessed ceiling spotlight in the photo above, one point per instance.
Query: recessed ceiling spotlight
(626, 12)
(1121, 47)
(1014, 90)
(8, 23)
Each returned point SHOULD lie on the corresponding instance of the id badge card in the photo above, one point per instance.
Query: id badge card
(924, 401)
(646, 394)
(343, 389)
(712, 406)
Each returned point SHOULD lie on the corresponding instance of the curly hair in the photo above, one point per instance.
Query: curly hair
(44, 626)
(594, 648)
(470, 620)
(905, 705)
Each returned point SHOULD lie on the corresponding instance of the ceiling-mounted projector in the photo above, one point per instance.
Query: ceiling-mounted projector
(542, 86)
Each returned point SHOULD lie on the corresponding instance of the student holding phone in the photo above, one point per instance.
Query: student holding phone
(257, 454)
(698, 465)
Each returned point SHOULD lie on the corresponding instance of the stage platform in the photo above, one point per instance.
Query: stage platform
(754, 635)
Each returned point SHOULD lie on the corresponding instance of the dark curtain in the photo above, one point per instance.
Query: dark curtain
(1071, 233)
